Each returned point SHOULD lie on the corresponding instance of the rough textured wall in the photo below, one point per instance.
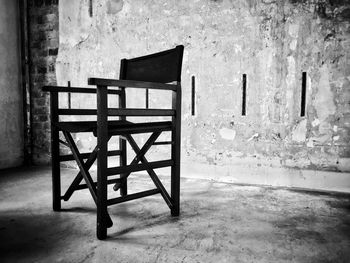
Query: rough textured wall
(11, 122)
(43, 42)
(272, 42)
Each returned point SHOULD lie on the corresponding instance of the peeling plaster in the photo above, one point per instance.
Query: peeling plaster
(227, 134)
(315, 122)
(324, 100)
(299, 132)
(114, 6)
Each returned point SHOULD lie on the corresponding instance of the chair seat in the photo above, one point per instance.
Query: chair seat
(114, 127)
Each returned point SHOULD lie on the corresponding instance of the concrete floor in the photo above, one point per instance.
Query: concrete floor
(219, 223)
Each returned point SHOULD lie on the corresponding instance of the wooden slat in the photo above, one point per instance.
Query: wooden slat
(132, 197)
(119, 112)
(77, 112)
(76, 90)
(136, 130)
(163, 143)
(140, 112)
(139, 167)
(111, 181)
(70, 157)
(131, 84)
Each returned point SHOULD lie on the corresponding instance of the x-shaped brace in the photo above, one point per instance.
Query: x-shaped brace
(140, 156)
(84, 171)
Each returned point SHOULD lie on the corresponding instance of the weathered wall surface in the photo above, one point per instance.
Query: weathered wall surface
(272, 42)
(11, 123)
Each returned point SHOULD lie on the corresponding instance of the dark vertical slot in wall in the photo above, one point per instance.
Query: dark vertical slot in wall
(193, 98)
(69, 97)
(303, 95)
(90, 8)
(147, 99)
(244, 94)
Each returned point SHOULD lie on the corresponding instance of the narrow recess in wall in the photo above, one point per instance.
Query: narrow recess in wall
(69, 97)
(303, 95)
(193, 98)
(244, 94)
(147, 99)
(90, 8)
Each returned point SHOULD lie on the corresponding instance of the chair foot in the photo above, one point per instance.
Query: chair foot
(101, 232)
(56, 207)
(175, 212)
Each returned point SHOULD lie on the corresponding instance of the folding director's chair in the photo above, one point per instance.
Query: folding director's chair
(159, 71)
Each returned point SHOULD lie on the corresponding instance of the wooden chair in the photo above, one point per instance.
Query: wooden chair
(159, 71)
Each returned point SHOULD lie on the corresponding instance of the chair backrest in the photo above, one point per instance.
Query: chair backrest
(163, 67)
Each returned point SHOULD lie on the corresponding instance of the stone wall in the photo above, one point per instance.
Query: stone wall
(43, 43)
(272, 42)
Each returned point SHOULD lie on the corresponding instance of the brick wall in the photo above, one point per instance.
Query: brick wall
(43, 44)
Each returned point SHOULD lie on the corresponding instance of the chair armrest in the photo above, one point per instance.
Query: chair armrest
(131, 84)
(75, 90)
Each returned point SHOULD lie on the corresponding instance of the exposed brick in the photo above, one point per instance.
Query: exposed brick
(50, 18)
(38, 78)
(39, 110)
(53, 51)
(37, 3)
(51, 2)
(41, 70)
(40, 102)
(53, 43)
(49, 27)
(43, 118)
(52, 68)
(35, 44)
(39, 20)
(40, 53)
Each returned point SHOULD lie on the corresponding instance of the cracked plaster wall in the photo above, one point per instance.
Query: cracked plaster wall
(272, 42)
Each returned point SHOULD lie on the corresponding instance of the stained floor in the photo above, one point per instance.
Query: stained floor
(219, 223)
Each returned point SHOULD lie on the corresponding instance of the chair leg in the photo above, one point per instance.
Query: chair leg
(175, 155)
(175, 188)
(56, 176)
(101, 205)
(102, 162)
(123, 162)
